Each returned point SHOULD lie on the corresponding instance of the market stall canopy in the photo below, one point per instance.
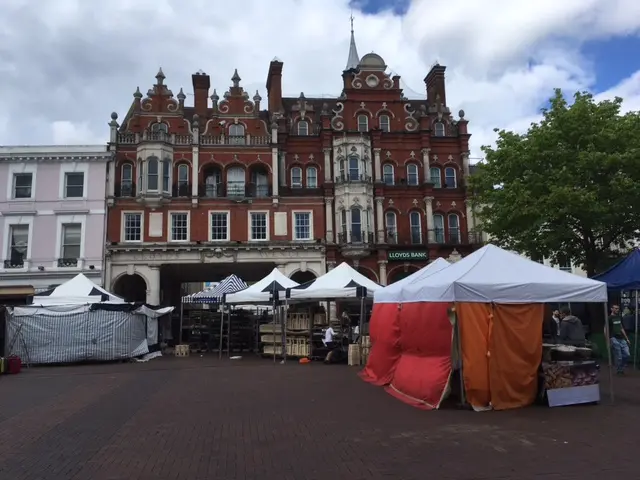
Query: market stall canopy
(341, 282)
(392, 293)
(78, 290)
(624, 275)
(492, 274)
(231, 284)
(261, 292)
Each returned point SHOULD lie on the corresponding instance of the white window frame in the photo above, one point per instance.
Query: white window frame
(387, 231)
(6, 241)
(293, 225)
(431, 170)
(439, 130)
(122, 225)
(455, 177)
(158, 174)
(170, 226)
(296, 185)
(443, 229)
(458, 229)
(132, 180)
(73, 168)
(167, 161)
(362, 124)
(236, 138)
(61, 221)
(411, 227)
(250, 214)
(567, 267)
(304, 132)
(417, 174)
(315, 183)
(16, 168)
(382, 123)
(384, 174)
(227, 213)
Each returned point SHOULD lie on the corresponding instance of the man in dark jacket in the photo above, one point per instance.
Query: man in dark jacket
(571, 329)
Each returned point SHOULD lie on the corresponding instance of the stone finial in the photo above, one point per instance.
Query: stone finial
(160, 76)
(257, 97)
(114, 116)
(236, 78)
(137, 93)
(181, 95)
(214, 96)
(461, 114)
(325, 109)
(195, 120)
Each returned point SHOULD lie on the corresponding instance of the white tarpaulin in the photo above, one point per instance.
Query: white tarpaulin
(260, 292)
(393, 292)
(78, 290)
(341, 282)
(492, 274)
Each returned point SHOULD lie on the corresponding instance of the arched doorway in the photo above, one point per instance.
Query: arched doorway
(132, 288)
(303, 277)
(370, 274)
(399, 273)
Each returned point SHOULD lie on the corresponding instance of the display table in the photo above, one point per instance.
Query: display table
(571, 382)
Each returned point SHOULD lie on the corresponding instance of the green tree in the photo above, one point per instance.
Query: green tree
(567, 188)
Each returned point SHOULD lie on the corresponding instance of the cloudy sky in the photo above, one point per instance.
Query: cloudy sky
(65, 65)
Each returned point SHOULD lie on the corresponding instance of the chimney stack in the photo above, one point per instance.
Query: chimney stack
(436, 92)
(201, 85)
(274, 86)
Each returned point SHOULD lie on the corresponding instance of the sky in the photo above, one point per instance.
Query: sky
(65, 65)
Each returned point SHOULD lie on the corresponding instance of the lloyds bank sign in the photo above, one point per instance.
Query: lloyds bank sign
(408, 255)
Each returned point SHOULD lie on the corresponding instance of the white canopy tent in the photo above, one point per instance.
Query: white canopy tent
(492, 274)
(342, 282)
(393, 292)
(262, 291)
(77, 291)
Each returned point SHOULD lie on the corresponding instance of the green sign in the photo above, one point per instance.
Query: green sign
(410, 255)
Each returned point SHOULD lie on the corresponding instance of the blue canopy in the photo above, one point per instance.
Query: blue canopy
(624, 275)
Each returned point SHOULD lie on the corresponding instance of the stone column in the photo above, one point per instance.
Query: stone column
(380, 221)
(111, 180)
(383, 271)
(465, 164)
(153, 289)
(327, 164)
(195, 170)
(426, 167)
(377, 166)
(428, 206)
(328, 213)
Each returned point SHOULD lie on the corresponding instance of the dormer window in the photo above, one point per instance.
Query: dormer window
(363, 123)
(438, 129)
(236, 134)
(160, 128)
(385, 123)
(303, 128)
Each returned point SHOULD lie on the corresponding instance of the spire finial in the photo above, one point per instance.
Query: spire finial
(351, 20)
(353, 60)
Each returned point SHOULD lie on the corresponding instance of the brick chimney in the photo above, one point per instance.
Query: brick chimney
(201, 85)
(274, 86)
(436, 91)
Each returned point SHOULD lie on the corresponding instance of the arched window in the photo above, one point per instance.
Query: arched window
(296, 177)
(385, 123)
(454, 229)
(343, 167)
(152, 174)
(436, 177)
(438, 228)
(303, 128)
(438, 129)
(450, 177)
(363, 123)
(166, 175)
(161, 128)
(212, 180)
(183, 174)
(126, 180)
(356, 225)
(312, 177)
(416, 228)
(388, 176)
(354, 168)
(260, 180)
(344, 237)
(235, 182)
(391, 227)
(412, 174)
(236, 134)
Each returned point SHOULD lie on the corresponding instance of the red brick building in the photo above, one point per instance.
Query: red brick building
(227, 185)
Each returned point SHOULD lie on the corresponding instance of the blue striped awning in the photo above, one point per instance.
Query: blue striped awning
(231, 284)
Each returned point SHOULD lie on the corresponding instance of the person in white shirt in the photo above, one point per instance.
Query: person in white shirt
(329, 334)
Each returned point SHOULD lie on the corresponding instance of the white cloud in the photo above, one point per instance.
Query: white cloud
(504, 58)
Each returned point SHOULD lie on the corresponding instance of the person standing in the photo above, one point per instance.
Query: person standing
(571, 329)
(619, 340)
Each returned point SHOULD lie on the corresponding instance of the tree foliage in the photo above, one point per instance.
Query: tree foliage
(567, 188)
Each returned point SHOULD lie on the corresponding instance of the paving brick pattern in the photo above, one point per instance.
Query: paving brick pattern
(200, 418)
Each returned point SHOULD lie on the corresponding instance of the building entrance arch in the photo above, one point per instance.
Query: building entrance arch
(133, 288)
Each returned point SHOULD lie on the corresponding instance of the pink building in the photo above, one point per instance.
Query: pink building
(52, 214)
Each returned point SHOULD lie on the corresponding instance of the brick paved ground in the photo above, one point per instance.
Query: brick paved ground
(199, 418)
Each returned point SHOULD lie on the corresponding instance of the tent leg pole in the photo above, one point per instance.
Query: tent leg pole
(635, 337)
(361, 331)
(608, 338)
(181, 319)
(284, 334)
(221, 332)
(463, 396)
(228, 331)
(273, 330)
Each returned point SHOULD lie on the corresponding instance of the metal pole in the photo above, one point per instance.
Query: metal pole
(608, 335)
(228, 330)
(284, 334)
(635, 337)
(182, 313)
(221, 332)
(361, 330)
(273, 330)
